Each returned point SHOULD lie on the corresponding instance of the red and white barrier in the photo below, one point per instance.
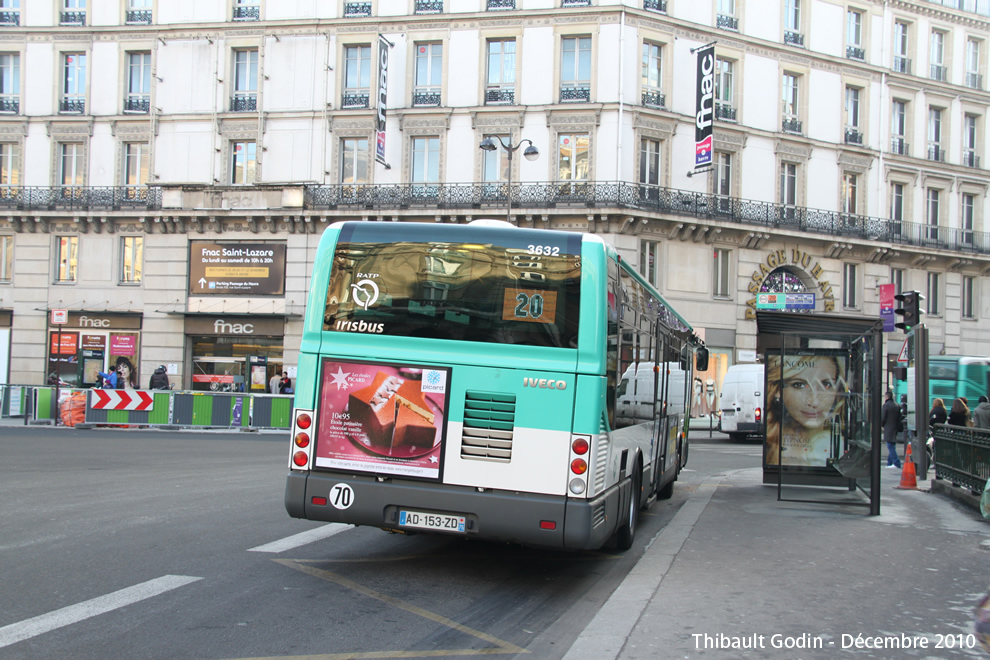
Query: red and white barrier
(121, 400)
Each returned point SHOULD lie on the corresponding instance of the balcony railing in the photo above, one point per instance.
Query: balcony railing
(72, 106)
(426, 96)
(137, 103)
(724, 111)
(66, 198)
(853, 135)
(793, 38)
(962, 456)
(138, 17)
(902, 64)
(72, 18)
(537, 197)
(974, 80)
(355, 99)
(791, 125)
(939, 73)
(970, 159)
(727, 22)
(653, 98)
(244, 102)
(936, 153)
(570, 93)
(659, 6)
(855, 53)
(428, 7)
(500, 95)
(899, 146)
(357, 9)
(575, 3)
(501, 5)
(8, 17)
(10, 105)
(247, 13)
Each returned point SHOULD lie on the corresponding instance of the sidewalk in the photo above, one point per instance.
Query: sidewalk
(735, 567)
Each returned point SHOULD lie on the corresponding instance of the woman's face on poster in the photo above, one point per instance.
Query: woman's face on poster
(810, 393)
(124, 370)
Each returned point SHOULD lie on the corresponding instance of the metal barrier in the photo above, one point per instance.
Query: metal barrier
(14, 400)
(962, 456)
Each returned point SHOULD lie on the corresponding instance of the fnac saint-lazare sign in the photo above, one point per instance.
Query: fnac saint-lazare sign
(778, 258)
(236, 268)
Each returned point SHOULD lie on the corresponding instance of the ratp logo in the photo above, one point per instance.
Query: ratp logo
(365, 293)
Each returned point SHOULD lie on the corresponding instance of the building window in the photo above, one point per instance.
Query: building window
(357, 76)
(854, 134)
(495, 163)
(500, 88)
(896, 207)
(243, 163)
(932, 210)
(898, 128)
(71, 165)
(897, 279)
(789, 109)
(968, 217)
(73, 12)
(138, 97)
(792, 23)
(66, 258)
(137, 156)
(649, 262)
(854, 35)
(10, 168)
(969, 141)
(6, 257)
(246, 10)
(726, 15)
(788, 188)
(354, 161)
(138, 12)
(653, 75)
(934, 303)
(974, 78)
(722, 181)
(245, 97)
(10, 83)
(849, 284)
(73, 83)
(649, 162)
(935, 150)
(10, 12)
(937, 56)
(429, 74)
(850, 192)
(573, 159)
(725, 108)
(575, 69)
(968, 290)
(902, 63)
(425, 166)
(720, 274)
(131, 259)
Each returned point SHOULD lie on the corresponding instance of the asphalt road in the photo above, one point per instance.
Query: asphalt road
(144, 544)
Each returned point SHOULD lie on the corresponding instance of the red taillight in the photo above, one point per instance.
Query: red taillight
(759, 414)
(579, 466)
(300, 458)
(580, 446)
(304, 421)
(548, 524)
(320, 501)
(302, 440)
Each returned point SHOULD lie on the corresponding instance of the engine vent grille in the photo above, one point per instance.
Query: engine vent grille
(601, 457)
(489, 418)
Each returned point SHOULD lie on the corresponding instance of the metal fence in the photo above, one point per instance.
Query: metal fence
(962, 456)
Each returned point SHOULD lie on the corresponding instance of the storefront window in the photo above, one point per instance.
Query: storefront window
(219, 363)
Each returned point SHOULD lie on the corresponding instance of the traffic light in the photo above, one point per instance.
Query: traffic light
(910, 310)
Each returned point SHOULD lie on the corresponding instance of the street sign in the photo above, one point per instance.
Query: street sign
(785, 301)
(903, 355)
(60, 316)
(236, 268)
(121, 400)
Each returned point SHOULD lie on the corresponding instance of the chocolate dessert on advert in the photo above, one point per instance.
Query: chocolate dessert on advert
(385, 419)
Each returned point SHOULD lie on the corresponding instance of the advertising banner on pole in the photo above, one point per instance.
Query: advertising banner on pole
(887, 306)
(705, 107)
(383, 46)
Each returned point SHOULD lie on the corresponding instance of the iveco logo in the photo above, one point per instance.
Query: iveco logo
(545, 384)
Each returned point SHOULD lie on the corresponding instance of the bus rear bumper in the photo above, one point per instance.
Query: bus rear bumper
(528, 519)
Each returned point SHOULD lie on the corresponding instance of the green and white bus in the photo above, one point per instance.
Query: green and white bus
(463, 379)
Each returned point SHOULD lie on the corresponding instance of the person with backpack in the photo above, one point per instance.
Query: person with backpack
(159, 379)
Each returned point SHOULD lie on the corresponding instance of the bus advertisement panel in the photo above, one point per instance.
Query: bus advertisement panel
(382, 419)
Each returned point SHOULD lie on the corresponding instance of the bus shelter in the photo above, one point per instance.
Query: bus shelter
(823, 394)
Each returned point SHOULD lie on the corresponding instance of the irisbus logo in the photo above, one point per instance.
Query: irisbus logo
(545, 383)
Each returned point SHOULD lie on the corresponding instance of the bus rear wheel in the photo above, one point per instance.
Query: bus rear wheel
(626, 534)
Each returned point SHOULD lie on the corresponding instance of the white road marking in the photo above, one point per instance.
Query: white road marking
(18, 632)
(296, 540)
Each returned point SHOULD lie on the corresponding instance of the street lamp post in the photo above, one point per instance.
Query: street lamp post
(531, 153)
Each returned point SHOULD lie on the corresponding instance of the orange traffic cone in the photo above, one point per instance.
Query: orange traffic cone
(909, 480)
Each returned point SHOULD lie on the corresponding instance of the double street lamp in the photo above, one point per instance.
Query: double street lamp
(531, 153)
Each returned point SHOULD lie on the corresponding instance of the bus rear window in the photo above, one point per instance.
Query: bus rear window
(505, 292)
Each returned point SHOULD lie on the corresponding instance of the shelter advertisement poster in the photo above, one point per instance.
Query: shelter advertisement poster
(382, 418)
(806, 402)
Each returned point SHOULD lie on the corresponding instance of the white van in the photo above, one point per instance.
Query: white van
(636, 395)
(742, 402)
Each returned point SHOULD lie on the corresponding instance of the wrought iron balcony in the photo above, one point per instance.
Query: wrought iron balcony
(81, 198)
(357, 9)
(936, 153)
(974, 80)
(970, 159)
(137, 103)
(138, 17)
(727, 22)
(899, 146)
(575, 3)
(429, 7)
(355, 99)
(570, 93)
(426, 96)
(902, 64)
(855, 53)
(501, 5)
(791, 125)
(244, 102)
(475, 198)
(10, 104)
(793, 38)
(500, 95)
(247, 13)
(72, 18)
(939, 73)
(9, 17)
(72, 106)
(724, 111)
(653, 98)
(853, 135)
(659, 6)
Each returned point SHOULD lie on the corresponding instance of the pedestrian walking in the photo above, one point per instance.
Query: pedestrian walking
(981, 414)
(285, 385)
(890, 416)
(959, 415)
(273, 384)
(159, 379)
(938, 413)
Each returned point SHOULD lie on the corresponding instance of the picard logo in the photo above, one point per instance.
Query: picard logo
(545, 384)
